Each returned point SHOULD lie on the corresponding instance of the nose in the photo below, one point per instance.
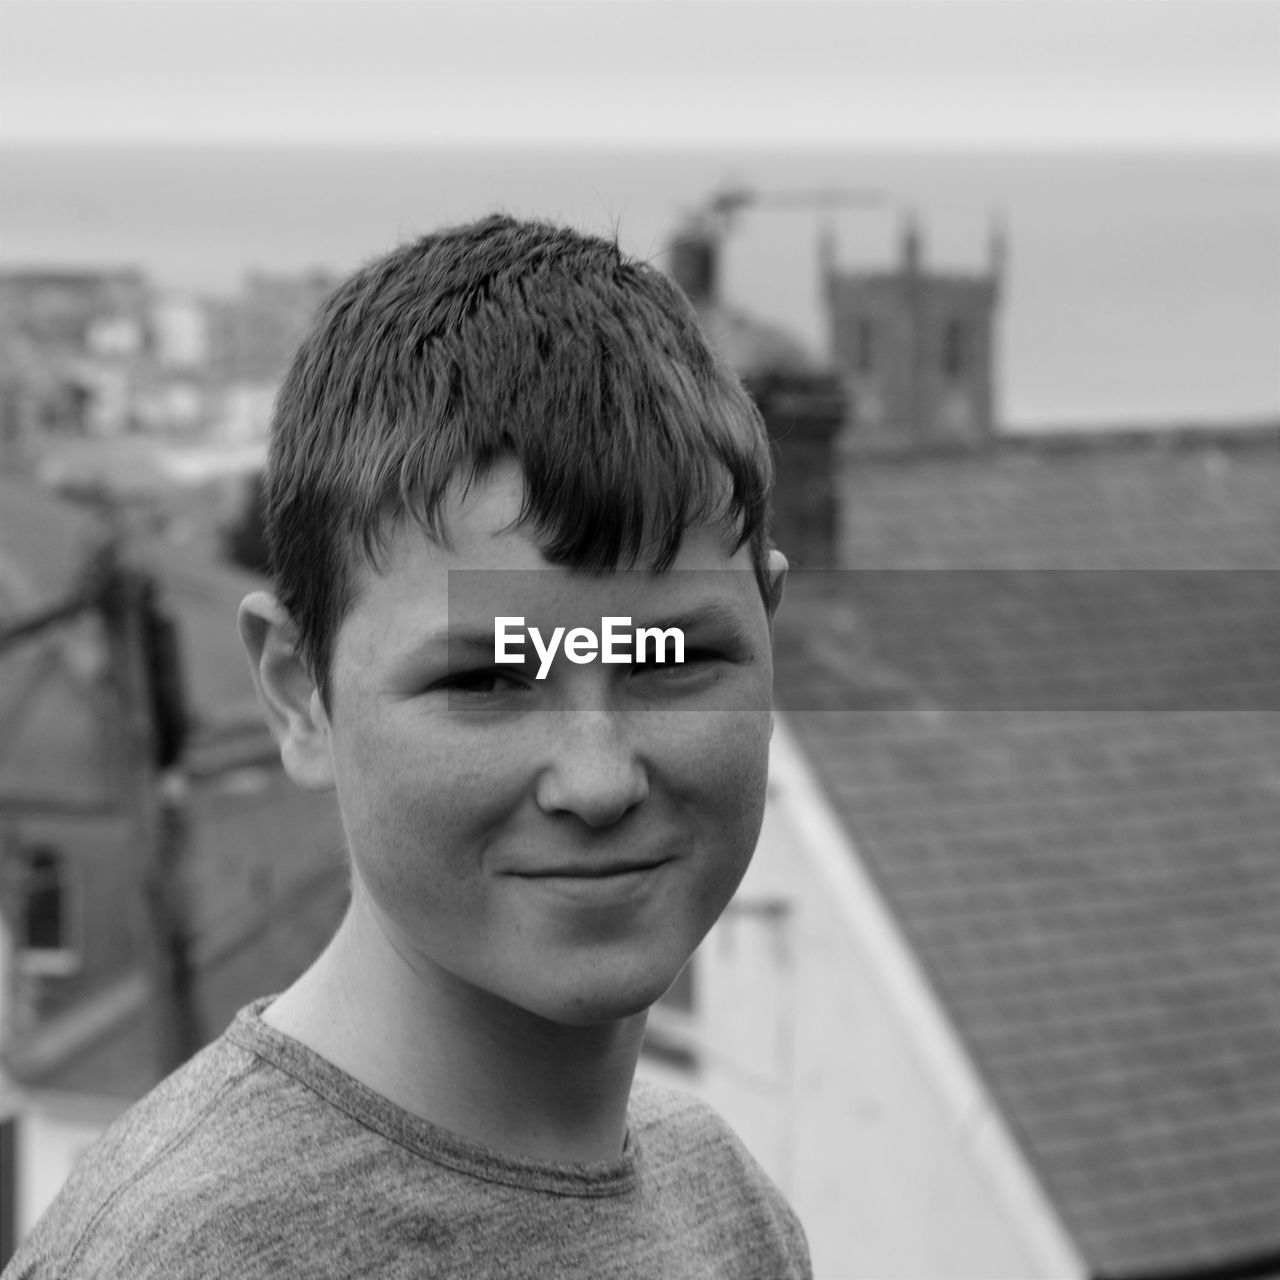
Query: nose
(593, 771)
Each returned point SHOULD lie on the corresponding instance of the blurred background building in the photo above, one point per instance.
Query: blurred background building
(998, 996)
(916, 348)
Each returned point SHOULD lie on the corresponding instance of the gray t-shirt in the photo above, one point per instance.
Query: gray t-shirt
(259, 1158)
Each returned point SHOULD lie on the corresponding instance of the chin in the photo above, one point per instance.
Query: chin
(600, 1001)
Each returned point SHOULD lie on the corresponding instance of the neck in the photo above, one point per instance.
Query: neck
(461, 1057)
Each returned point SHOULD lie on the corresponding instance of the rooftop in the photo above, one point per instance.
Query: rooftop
(1044, 696)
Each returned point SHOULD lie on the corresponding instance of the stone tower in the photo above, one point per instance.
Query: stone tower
(915, 348)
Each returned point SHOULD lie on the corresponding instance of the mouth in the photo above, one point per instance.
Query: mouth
(592, 870)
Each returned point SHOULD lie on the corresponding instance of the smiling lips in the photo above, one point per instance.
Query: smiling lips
(591, 870)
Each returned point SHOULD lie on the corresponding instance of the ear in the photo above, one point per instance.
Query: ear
(287, 693)
(777, 571)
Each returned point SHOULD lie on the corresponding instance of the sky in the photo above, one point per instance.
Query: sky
(950, 73)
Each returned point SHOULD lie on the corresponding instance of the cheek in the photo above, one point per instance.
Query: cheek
(387, 790)
(722, 778)
(418, 806)
(729, 755)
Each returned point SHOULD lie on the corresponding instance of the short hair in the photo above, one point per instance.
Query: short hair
(505, 339)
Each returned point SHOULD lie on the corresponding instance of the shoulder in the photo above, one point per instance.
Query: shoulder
(669, 1122)
(155, 1172)
(689, 1153)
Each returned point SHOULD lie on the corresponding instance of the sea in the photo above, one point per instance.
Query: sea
(1141, 287)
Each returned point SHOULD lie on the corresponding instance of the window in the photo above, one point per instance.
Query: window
(46, 935)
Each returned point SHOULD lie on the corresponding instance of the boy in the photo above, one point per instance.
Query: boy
(535, 849)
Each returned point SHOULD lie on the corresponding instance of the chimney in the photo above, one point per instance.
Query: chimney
(694, 262)
(803, 413)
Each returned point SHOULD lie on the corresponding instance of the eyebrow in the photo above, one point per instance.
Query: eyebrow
(464, 639)
(713, 613)
(444, 642)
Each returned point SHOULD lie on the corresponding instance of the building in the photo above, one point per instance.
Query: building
(916, 347)
(252, 337)
(100, 311)
(75, 341)
(95, 353)
(1000, 994)
(142, 905)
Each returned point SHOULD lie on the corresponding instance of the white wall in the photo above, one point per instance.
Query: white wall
(826, 1051)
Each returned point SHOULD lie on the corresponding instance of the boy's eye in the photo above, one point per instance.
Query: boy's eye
(482, 680)
(694, 660)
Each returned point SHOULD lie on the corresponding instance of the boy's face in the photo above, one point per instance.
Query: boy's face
(563, 844)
